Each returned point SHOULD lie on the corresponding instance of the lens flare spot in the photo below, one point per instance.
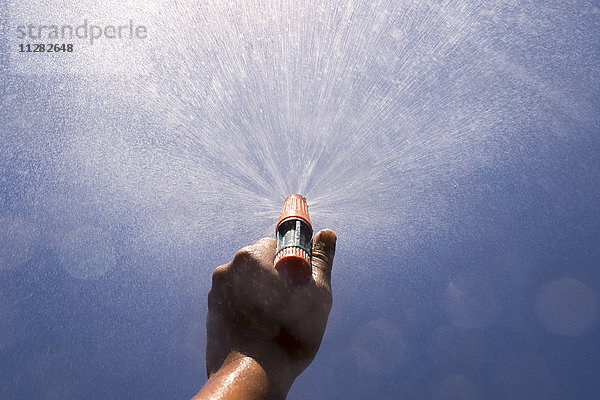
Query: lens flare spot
(379, 347)
(567, 307)
(87, 253)
(17, 241)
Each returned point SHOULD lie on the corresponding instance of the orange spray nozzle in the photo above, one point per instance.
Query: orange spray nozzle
(294, 239)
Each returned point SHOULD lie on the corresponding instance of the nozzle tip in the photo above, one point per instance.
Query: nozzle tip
(295, 206)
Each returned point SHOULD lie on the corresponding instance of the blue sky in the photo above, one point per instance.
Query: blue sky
(452, 145)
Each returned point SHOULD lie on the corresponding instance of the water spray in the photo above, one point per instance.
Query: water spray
(294, 235)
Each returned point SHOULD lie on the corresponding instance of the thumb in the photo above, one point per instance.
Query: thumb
(323, 251)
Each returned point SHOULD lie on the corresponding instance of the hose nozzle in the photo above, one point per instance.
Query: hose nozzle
(294, 236)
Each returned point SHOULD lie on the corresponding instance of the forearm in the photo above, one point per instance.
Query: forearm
(240, 377)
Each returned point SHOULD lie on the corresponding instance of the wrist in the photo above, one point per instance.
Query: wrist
(278, 379)
(239, 377)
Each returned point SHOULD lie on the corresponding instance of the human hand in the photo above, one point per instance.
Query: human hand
(256, 312)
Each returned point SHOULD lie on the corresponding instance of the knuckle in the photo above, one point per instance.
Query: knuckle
(220, 274)
(320, 255)
(321, 266)
(266, 241)
(243, 254)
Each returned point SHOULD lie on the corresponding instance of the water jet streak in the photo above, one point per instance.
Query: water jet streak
(365, 109)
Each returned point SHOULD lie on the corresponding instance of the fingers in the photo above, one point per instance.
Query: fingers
(248, 261)
(250, 277)
(266, 246)
(263, 249)
(323, 251)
